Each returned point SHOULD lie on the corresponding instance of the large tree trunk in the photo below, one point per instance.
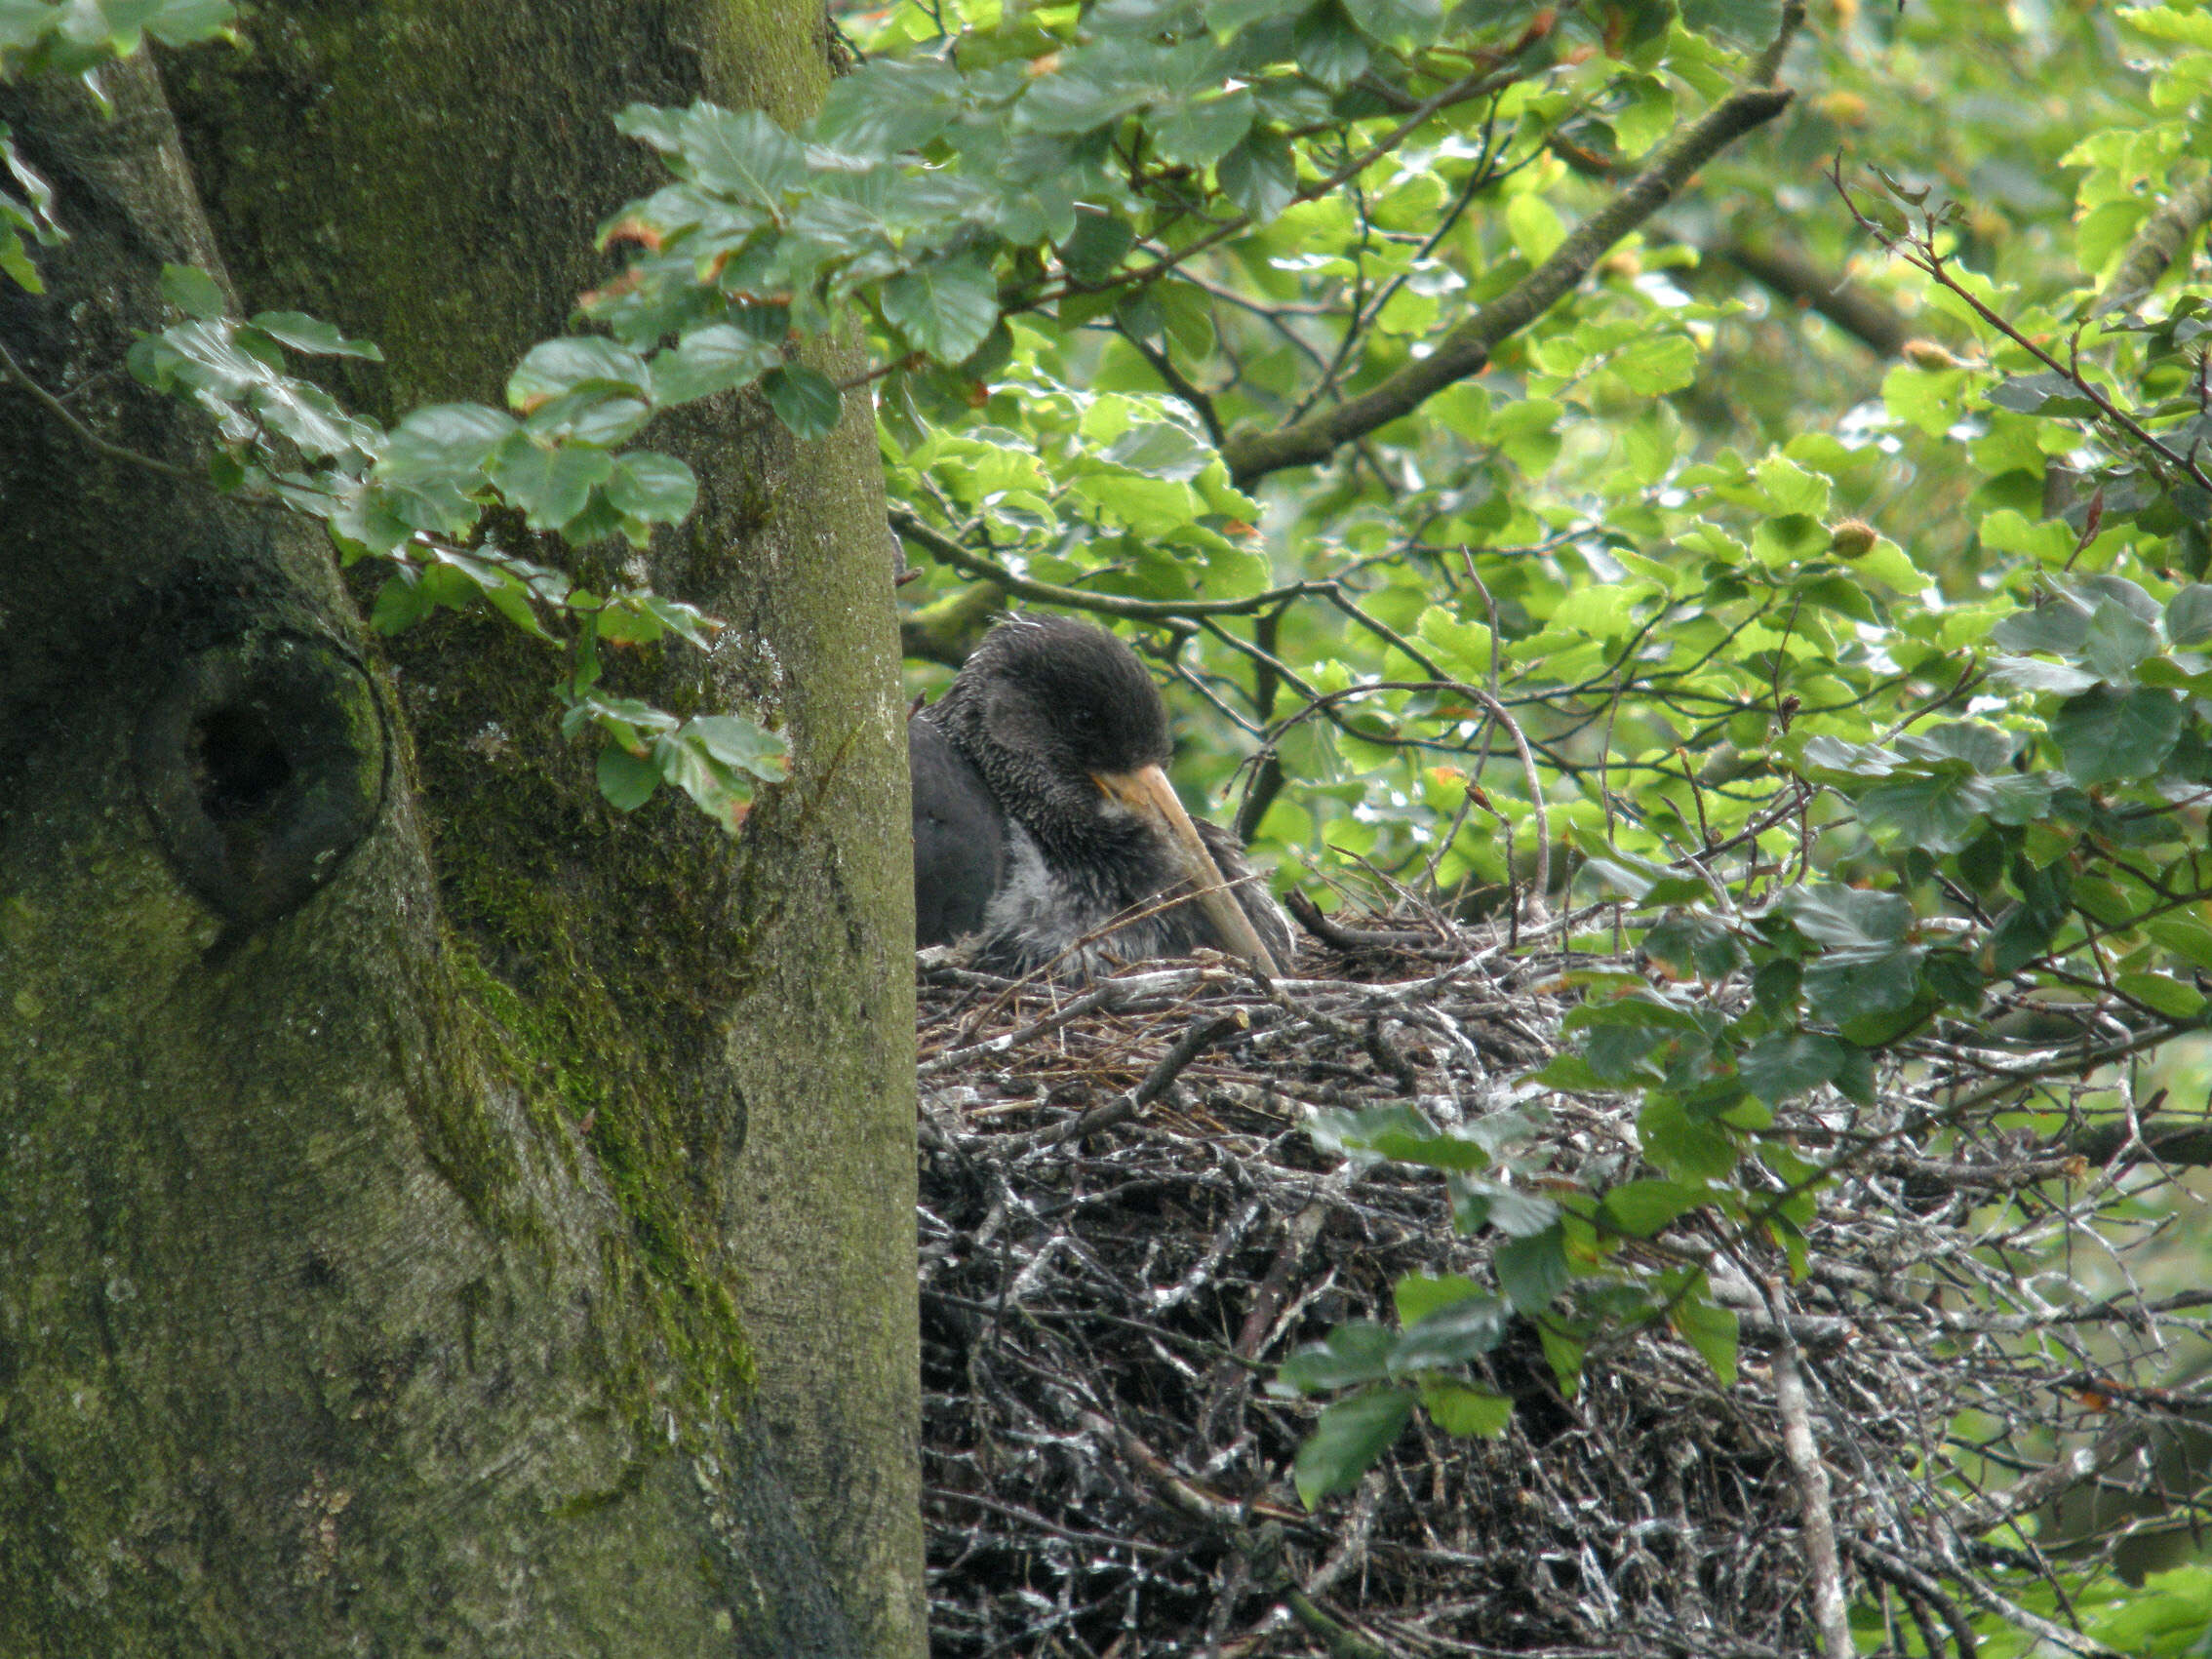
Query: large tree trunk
(436, 1212)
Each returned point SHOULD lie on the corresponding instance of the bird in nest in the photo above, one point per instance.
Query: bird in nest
(1044, 824)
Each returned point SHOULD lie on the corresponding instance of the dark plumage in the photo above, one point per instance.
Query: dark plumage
(1042, 815)
(960, 843)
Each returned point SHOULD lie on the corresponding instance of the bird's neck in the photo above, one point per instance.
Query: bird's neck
(1069, 819)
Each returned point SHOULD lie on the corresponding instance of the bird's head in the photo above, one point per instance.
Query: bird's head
(1068, 730)
(1050, 709)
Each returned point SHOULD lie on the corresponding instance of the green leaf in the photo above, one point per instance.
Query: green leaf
(550, 486)
(1775, 1068)
(1658, 364)
(1330, 45)
(1225, 18)
(1792, 489)
(506, 595)
(1478, 1203)
(2026, 929)
(2116, 641)
(1565, 1354)
(888, 104)
(1645, 116)
(1350, 1355)
(945, 309)
(1160, 448)
(1259, 176)
(805, 401)
(2105, 734)
(2059, 625)
(445, 443)
(1397, 1132)
(1452, 1335)
(717, 358)
(1348, 1438)
(622, 621)
(1532, 1270)
(1830, 915)
(193, 292)
(315, 337)
(2175, 24)
(1695, 945)
(2190, 940)
(1851, 983)
(1775, 987)
(658, 489)
(1711, 1330)
(2034, 674)
(401, 602)
(627, 781)
(1939, 812)
(2163, 994)
(1984, 748)
(741, 743)
(2188, 615)
(1086, 92)
(1748, 22)
(1687, 1149)
(2129, 596)
(2046, 394)
(742, 153)
(1465, 1411)
(1536, 230)
(724, 795)
(16, 262)
(1928, 400)
(1097, 249)
(1392, 21)
(1201, 133)
(1419, 1294)
(185, 22)
(1643, 1209)
(554, 367)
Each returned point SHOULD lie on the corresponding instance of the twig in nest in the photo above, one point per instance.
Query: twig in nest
(1204, 1033)
(1828, 1611)
(1920, 1592)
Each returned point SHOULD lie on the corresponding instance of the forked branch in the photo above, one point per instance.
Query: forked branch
(1467, 349)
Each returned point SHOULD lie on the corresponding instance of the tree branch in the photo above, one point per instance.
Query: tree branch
(1803, 280)
(947, 630)
(945, 550)
(14, 372)
(1829, 1615)
(1466, 350)
(2188, 1142)
(2157, 244)
(1176, 382)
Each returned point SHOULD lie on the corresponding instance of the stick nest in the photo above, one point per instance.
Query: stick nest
(1126, 1227)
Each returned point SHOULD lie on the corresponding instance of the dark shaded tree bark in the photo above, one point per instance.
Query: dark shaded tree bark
(436, 1212)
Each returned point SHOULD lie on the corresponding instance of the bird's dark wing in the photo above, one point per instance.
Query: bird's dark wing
(1268, 918)
(960, 844)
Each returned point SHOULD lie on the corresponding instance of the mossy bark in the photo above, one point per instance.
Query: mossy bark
(504, 1243)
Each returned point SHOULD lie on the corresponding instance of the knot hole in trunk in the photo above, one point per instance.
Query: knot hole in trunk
(263, 762)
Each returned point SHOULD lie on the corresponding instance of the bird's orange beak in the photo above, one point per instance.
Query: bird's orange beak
(1147, 793)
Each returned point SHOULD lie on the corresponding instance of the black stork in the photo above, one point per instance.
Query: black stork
(1044, 821)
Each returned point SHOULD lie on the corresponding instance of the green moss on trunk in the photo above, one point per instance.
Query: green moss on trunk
(440, 1261)
(734, 1023)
